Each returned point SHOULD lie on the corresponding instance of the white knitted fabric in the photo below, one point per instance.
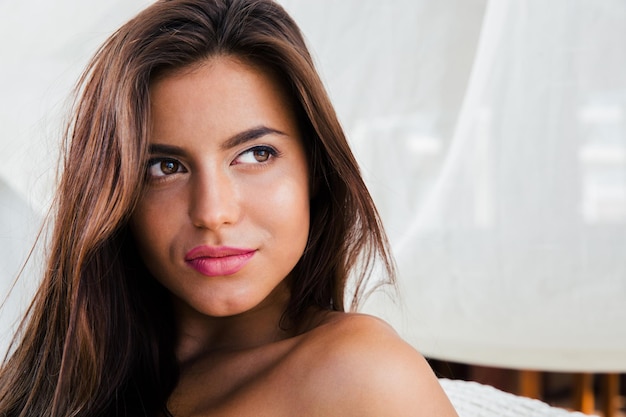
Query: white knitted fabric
(471, 399)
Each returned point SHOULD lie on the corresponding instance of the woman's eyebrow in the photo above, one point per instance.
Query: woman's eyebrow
(236, 140)
(249, 135)
(167, 150)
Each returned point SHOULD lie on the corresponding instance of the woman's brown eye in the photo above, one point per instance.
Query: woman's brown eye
(169, 167)
(162, 167)
(261, 155)
(256, 155)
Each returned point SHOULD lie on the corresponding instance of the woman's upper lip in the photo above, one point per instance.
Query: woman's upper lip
(206, 251)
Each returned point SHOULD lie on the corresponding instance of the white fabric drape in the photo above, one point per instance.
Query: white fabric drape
(494, 145)
(492, 135)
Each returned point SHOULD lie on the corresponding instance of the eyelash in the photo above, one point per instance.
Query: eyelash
(179, 167)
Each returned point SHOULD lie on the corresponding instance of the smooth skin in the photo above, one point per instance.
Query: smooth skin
(228, 169)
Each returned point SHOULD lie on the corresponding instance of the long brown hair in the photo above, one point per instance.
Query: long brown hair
(98, 338)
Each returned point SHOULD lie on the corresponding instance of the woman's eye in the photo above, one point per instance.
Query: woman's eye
(163, 166)
(256, 155)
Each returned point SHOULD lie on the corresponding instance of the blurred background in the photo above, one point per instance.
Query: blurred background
(492, 135)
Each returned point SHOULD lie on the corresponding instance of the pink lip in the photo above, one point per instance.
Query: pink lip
(215, 261)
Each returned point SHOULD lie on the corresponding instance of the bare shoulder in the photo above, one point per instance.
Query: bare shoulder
(358, 365)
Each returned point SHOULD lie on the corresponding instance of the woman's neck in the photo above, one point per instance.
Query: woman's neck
(200, 335)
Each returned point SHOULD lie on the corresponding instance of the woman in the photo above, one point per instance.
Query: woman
(208, 218)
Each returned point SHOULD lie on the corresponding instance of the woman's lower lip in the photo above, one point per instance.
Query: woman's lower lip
(220, 266)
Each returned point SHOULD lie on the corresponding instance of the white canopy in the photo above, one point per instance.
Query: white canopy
(492, 135)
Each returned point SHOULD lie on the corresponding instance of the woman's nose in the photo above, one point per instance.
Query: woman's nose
(214, 201)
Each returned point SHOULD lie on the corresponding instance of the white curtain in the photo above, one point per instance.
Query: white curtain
(492, 135)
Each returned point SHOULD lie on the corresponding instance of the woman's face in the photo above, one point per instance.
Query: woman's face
(225, 214)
